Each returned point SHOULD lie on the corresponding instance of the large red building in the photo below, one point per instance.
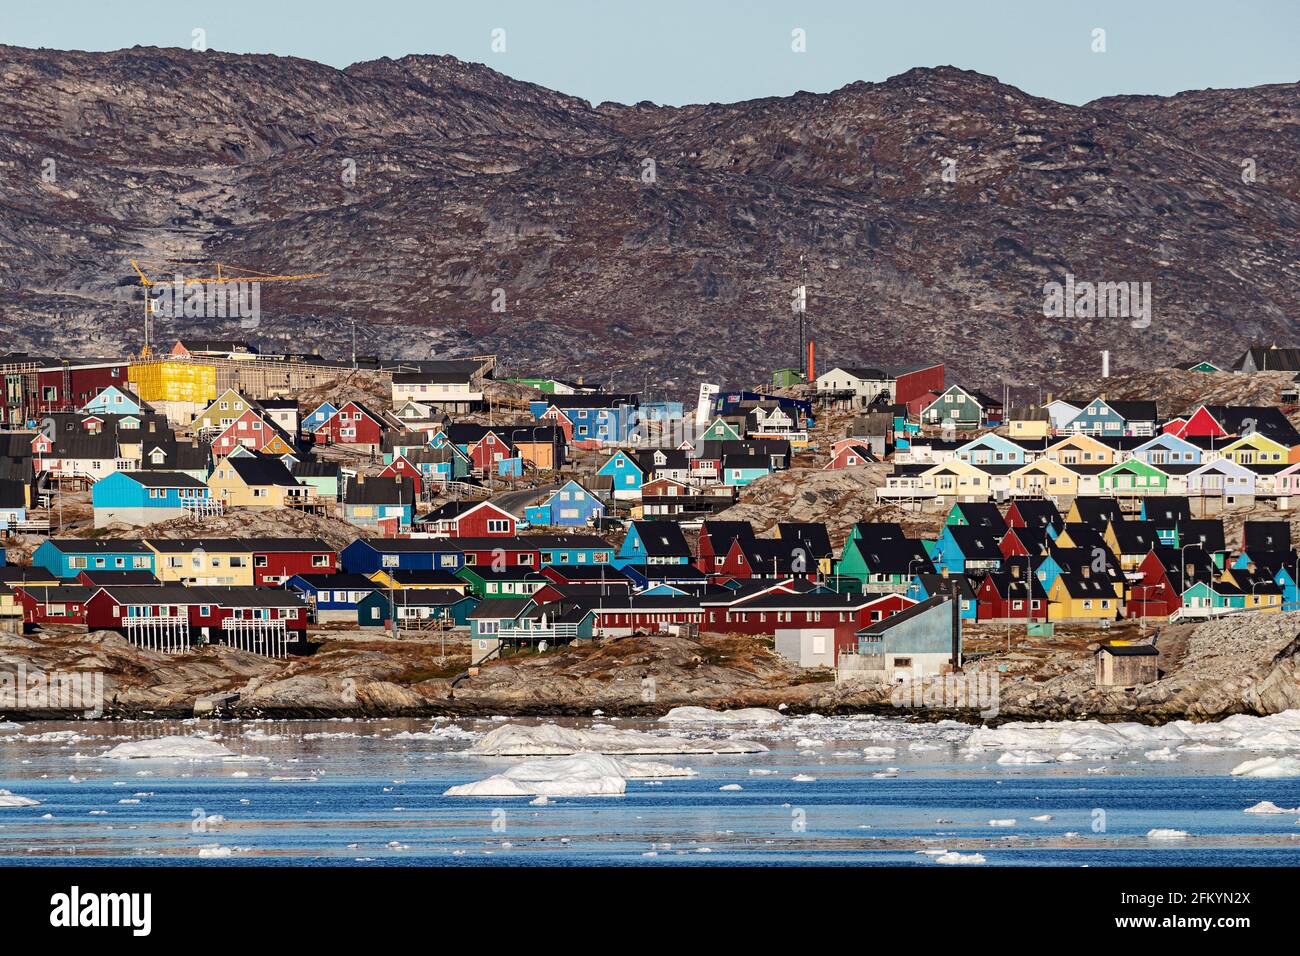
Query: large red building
(275, 560)
(915, 381)
(65, 387)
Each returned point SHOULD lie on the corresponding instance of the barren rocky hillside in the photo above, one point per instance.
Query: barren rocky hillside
(431, 190)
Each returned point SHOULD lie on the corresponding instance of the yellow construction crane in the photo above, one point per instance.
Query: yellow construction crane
(240, 275)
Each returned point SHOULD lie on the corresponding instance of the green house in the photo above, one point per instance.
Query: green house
(720, 430)
(1133, 476)
(955, 407)
(487, 582)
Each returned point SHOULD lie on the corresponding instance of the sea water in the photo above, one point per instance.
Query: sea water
(849, 790)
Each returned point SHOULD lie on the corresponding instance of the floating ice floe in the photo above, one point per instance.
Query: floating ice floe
(172, 748)
(1002, 823)
(578, 775)
(521, 740)
(1041, 818)
(1164, 833)
(1012, 757)
(8, 799)
(1164, 754)
(1268, 806)
(743, 715)
(803, 778)
(952, 858)
(731, 786)
(1268, 767)
(878, 753)
(214, 851)
(1238, 732)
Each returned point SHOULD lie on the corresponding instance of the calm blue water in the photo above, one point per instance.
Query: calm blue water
(376, 799)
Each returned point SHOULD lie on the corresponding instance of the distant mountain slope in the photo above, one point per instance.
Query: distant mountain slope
(468, 182)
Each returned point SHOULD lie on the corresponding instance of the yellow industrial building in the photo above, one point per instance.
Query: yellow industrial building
(173, 380)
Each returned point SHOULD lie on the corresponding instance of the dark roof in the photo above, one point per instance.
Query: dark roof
(983, 514)
(380, 491)
(262, 470)
(916, 610)
(1129, 650)
(662, 539)
(100, 546)
(1167, 511)
(163, 479)
(1266, 535)
(425, 576)
(494, 607)
(341, 582)
(812, 535)
(118, 578)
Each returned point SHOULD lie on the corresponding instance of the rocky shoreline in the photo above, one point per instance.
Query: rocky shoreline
(1246, 664)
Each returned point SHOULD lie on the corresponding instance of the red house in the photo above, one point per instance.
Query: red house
(488, 450)
(250, 430)
(714, 547)
(849, 455)
(781, 607)
(469, 519)
(353, 424)
(275, 560)
(1201, 424)
(916, 382)
(1156, 594)
(66, 387)
(55, 605)
(399, 467)
(1004, 596)
(215, 614)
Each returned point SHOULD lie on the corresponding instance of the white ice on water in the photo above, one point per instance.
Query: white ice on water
(1268, 768)
(522, 740)
(578, 775)
(171, 748)
(8, 799)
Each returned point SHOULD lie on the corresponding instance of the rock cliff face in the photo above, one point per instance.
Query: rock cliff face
(1246, 664)
(641, 242)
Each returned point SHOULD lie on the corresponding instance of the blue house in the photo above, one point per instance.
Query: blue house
(1115, 418)
(113, 400)
(598, 418)
(368, 555)
(925, 586)
(334, 596)
(991, 449)
(571, 506)
(627, 477)
(143, 497)
(318, 417)
(653, 542)
(966, 548)
(68, 557)
(1167, 449)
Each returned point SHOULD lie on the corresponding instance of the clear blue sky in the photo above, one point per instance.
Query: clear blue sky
(685, 51)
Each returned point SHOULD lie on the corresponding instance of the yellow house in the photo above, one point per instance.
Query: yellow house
(1080, 450)
(1256, 449)
(223, 411)
(1249, 582)
(202, 561)
(1028, 422)
(1046, 476)
(1082, 596)
(958, 479)
(257, 481)
(420, 579)
(173, 380)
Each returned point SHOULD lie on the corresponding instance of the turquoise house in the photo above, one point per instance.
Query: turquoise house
(143, 497)
(68, 557)
(653, 542)
(740, 470)
(113, 400)
(625, 474)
